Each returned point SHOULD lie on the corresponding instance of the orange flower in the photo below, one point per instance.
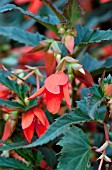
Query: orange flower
(55, 88)
(34, 118)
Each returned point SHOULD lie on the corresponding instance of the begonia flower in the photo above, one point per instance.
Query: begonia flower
(34, 118)
(55, 89)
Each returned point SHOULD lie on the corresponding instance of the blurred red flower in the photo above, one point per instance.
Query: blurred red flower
(55, 88)
(25, 57)
(34, 6)
(106, 52)
(104, 1)
(34, 118)
(44, 165)
(4, 92)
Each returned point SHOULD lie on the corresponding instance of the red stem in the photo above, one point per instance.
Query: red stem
(37, 82)
(106, 132)
(102, 159)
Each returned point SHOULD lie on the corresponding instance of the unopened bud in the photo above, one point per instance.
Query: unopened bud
(100, 157)
(21, 75)
(107, 159)
(104, 146)
(61, 31)
(58, 57)
(5, 154)
(82, 71)
(14, 115)
(6, 116)
(26, 101)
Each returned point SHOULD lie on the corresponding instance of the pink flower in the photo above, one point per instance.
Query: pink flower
(55, 89)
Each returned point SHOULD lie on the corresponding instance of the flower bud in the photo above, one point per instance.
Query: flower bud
(108, 90)
(104, 146)
(5, 154)
(107, 159)
(26, 101)
(6, 116)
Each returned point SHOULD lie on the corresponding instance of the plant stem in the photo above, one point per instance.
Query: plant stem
(106, 132)
(102, 159)
(63, 66)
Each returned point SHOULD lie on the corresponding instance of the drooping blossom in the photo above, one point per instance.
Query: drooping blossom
(34, 118)
(55, 89)
(10, 124)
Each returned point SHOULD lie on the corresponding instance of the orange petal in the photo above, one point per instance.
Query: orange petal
(39, 92)
(7, 130)
(28, 132)
(53, 102)
(40, 128)
(69, 43)
(27, 119)
(53, 82)
(41, 116)
(66, 95)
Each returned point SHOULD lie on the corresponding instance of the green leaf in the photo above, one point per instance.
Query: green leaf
(49, 156)
(6, 73)
(90, 63)
(3, 2)
(55, 10)
(88, 36)
(95, 66)
(13, 163)
(10, 104)
(49, 22)
(58, 128)
(17, 145)
(76, 150)
(21, 36)
(99, 15)
(96, 90)
(12, 85)
(72, 11)
(91, 103)
(31, 104)
(38, 158)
